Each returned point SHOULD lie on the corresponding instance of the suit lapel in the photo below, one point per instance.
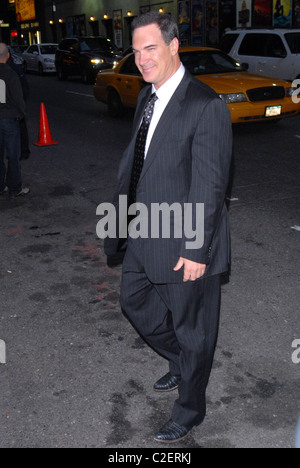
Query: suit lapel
(171, 111)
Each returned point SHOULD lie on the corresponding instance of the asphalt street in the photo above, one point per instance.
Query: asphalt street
(76, 373)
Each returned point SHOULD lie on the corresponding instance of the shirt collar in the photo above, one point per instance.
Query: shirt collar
(166, 91)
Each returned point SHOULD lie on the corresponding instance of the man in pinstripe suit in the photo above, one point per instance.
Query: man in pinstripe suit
(170, 290)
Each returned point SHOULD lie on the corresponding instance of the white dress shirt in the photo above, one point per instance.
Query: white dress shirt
(164, 95)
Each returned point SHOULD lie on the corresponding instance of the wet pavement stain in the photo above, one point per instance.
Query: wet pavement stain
(120, 428)
(62, 191)
(36, 249)
(38, 297)
(265, 389)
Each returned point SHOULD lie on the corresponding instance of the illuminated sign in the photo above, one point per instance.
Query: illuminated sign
(25, 10)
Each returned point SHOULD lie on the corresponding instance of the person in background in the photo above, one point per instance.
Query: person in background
(12, 110)
(25, 151)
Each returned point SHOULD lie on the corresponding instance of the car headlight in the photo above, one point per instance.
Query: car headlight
(231, 98)
(48, 60)
(97, 61)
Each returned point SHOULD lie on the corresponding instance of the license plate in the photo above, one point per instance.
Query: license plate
(273, 111)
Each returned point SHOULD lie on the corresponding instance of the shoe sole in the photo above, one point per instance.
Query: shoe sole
(20, 195)
(166, 441)
(166, 391)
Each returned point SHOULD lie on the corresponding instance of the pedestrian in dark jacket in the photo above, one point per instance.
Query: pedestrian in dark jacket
(12, 110)
(25, 151)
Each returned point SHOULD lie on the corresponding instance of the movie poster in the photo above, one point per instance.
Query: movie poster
(198, 23)
(297, 14)
(244, 14)
(118, 29)
(282, 13)
(212, 30)
(76, 26)
(25, 10)
(262, 15)
(184, 21)
(227, 16)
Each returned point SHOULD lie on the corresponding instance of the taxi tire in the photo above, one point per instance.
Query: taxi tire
(115, 106)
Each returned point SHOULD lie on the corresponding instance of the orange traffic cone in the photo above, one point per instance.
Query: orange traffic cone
(45, 137)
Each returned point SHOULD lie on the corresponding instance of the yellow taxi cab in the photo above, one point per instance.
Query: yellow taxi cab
(249, 97)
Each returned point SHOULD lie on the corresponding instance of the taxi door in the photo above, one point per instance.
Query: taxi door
(130, 82)
(274, 63)
(32, 58)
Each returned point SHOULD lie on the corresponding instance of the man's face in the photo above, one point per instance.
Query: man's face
(156, 60)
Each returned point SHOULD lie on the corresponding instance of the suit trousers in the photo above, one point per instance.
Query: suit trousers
(10, 146)
(180, 322)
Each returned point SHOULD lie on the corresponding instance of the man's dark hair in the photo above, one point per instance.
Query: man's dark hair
(166, 24)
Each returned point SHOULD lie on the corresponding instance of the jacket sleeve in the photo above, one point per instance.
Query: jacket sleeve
(18, 95)
(211, 161)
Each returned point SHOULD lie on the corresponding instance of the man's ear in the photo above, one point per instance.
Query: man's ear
(175, 46)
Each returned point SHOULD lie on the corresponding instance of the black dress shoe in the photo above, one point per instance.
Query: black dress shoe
(168, 383)
(171, 433)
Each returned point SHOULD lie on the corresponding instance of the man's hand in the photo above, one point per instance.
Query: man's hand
(192, 270)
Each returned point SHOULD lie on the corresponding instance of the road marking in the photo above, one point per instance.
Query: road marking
(296, 228)
(80, 94)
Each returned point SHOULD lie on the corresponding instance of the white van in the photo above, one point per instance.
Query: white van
(268, 52)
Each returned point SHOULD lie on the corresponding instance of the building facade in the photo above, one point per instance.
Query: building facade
(201, 22)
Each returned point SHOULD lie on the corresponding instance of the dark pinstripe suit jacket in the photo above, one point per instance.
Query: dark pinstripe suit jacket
(188, 162)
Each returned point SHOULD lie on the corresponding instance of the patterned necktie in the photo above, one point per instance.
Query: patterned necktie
(140, 146)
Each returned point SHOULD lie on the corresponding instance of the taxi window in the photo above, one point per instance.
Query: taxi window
(227, 42)
(262, 45)
(129, 67)
(207, 62)
(293, 40)
(254, 45)
(275, 47)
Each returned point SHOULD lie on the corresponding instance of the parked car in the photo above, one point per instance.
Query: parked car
(268, 52)
(16, 55)
(40, 58)
(249, 97)
(85, 56)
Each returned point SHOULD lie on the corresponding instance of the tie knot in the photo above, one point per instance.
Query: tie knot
(153, 97)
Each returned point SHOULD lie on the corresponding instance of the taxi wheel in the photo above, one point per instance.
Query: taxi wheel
(115, 106)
